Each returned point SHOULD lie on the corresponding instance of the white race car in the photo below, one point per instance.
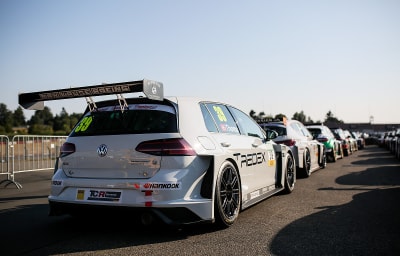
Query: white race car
(178, 159)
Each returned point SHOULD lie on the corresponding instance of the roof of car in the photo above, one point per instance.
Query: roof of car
(273, 124)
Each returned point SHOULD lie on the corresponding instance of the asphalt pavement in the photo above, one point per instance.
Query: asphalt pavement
(349, 208)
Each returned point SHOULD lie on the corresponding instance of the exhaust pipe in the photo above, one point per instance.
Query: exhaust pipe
(147, 219)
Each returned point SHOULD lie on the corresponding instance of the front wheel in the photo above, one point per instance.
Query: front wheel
(227, 195)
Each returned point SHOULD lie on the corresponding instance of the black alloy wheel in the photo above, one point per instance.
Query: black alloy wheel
(290, 175)
(227, 195)
(307, 165)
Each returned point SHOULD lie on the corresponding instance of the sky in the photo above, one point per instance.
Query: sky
(279, 57)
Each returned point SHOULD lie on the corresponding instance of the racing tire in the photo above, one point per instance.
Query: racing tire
(306, 170)
(341, 152)
(346, 152)
(227, 195)
(323, 162)
(290, 175)
(333, 155)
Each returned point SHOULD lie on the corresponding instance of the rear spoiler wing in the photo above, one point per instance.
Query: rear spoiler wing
(35, 100)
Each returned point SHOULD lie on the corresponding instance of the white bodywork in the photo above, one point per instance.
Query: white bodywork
(303, 144)
(125, 177)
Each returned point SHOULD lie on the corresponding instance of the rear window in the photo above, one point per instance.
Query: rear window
(315, 131)
(281, 130)
(135, 119)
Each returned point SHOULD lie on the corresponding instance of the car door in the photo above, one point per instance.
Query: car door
(249, 152)
(312, 145)
(262, 154)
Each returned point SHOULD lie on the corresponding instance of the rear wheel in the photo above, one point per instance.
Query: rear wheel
(227, 195)
(341, 151)
(322, 164)
(333, 155)
(290, 175)
(306, 170)
(346, 152)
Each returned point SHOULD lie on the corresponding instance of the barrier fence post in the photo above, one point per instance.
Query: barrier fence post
(5, 163)
(29, 153)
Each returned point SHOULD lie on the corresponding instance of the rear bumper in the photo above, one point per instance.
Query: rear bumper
(176, 196)
(170, 216)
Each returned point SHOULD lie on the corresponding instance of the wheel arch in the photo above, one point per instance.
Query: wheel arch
(218, 161)
(233, 162)
(219, 211)
(290, 153)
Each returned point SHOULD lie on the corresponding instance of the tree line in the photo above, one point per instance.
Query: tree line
(43, 122)
(299, 116)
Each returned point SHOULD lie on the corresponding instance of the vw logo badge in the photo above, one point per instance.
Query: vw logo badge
(102, 150)
(154, 90)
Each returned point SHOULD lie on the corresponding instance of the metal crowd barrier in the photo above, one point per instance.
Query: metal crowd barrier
(4, 158)
(27, 153)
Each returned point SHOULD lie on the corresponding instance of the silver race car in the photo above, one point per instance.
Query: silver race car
(177, 159)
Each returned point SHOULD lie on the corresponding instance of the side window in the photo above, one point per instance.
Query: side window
(304, 130)
(296, 129)
(247, 125)
(327, 132)
(208, 120)
(223, 118)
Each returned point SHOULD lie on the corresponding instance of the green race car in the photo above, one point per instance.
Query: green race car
(324, 135)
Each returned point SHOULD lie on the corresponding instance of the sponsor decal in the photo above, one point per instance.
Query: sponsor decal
(220, 113)
(254, 194)
(84, 124)
(98, 195)
(146, 107)
(80, 195)
(84, 92)
(250, 159)
(264, 190)
(271, 158)
(161, 185)
(57, 182)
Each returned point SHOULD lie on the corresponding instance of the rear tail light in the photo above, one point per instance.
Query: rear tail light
(166, 147)
(66, 149)
(288, 143)
(322, 139)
